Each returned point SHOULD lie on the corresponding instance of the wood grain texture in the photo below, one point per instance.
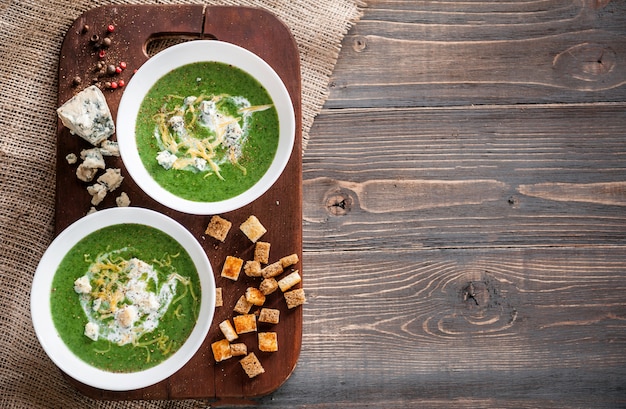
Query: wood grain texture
(482, 177)
(464, 211)
(464, 53)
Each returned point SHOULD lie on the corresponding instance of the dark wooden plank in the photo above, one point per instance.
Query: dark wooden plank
(480, 177)
(279, 209)
(470, 53)
(487, 20)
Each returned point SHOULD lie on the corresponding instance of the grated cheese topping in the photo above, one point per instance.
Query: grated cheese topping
(203, 132)
(124, 299)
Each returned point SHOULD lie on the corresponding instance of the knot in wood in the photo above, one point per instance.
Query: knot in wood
(476, 295)
(359, 43)
(587, 65)
(338, 203)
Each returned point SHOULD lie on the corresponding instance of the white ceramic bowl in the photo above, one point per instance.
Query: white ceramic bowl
(187, 53)
(41, 313)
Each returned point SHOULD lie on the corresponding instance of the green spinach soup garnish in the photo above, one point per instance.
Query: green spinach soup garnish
(207, 131)
(125, 297)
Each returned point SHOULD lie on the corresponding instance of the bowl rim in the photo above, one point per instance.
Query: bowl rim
(203, 51)
(40, 309)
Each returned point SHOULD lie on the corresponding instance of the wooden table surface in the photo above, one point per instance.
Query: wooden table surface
(464, 211)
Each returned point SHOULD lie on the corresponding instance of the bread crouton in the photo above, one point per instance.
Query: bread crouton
(253, 229)
(251, 365)
(269, 315)
(254, 296)
(219, 300)
(252, 268)
(295, 298)
(239, 349)
(268, 341)
(245, 323)
(218, 228)
(268, 286)
(289, 281)
(232, 268)
(227, 329)
(272, 270)
(221, 350)
(242, 306)
(262, 252)
(289, 260)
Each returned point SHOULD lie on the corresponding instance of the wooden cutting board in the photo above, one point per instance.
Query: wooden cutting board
(280, 209)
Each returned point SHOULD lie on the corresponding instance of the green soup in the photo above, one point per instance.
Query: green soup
(136, 287)
(207, 131)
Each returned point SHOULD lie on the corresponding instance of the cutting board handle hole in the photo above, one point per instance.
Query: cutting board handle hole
(158, 43)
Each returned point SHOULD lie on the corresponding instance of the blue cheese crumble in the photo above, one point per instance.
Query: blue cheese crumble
(87, 115)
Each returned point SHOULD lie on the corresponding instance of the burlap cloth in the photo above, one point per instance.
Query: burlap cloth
(31, 33)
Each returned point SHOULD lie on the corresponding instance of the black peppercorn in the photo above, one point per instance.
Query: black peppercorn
(85, 28)
(77, 80)
(106, 42)
(110, 69)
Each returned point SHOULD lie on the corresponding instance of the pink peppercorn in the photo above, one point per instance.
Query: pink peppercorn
(110, 28)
